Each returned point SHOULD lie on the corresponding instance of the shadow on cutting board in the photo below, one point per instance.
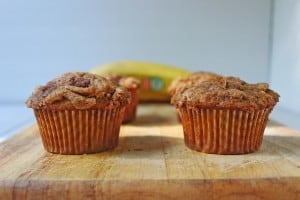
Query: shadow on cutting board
(155, 115)
(149, 146)
(152, 146)
(273, 144)
(152, 119)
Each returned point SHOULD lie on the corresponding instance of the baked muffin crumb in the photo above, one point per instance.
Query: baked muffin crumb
(226, 92)
(190, 80)
(78, 90)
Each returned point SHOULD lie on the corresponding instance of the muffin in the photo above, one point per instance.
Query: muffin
(192, 79)
(79, 113)
(132, 85)
(224, 115)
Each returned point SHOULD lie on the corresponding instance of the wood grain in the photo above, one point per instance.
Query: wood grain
(151, 162)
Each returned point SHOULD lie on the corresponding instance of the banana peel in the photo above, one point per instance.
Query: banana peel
(155, 78)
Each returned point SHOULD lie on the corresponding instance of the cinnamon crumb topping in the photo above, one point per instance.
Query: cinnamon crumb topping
(78, 90)
(226, 92)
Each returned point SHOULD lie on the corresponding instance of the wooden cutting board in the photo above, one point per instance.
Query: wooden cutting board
(151, 162)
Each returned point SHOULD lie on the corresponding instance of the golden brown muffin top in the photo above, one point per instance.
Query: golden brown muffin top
(190, 80)
(78, 90)
(128, 82)
(226, 92)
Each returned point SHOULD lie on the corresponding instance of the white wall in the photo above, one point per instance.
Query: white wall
(285, 62)
(41, 39)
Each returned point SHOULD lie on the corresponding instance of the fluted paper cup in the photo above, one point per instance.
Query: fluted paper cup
(79, 131)
(131, 108)
(223, 131)
(178, 115)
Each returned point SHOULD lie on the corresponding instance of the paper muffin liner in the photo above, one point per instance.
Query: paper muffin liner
(178, 116)
(131, 108)
(79, 131)
(223, 131)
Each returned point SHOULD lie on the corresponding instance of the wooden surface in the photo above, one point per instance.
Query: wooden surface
(151, 162)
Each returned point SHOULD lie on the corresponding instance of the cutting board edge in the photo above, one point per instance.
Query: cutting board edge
(286, 188)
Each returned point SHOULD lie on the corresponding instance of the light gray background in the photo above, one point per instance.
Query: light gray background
(41, 39)
(257, 40)
(285, 72)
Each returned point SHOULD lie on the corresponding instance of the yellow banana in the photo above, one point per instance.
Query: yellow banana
(155, 78)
